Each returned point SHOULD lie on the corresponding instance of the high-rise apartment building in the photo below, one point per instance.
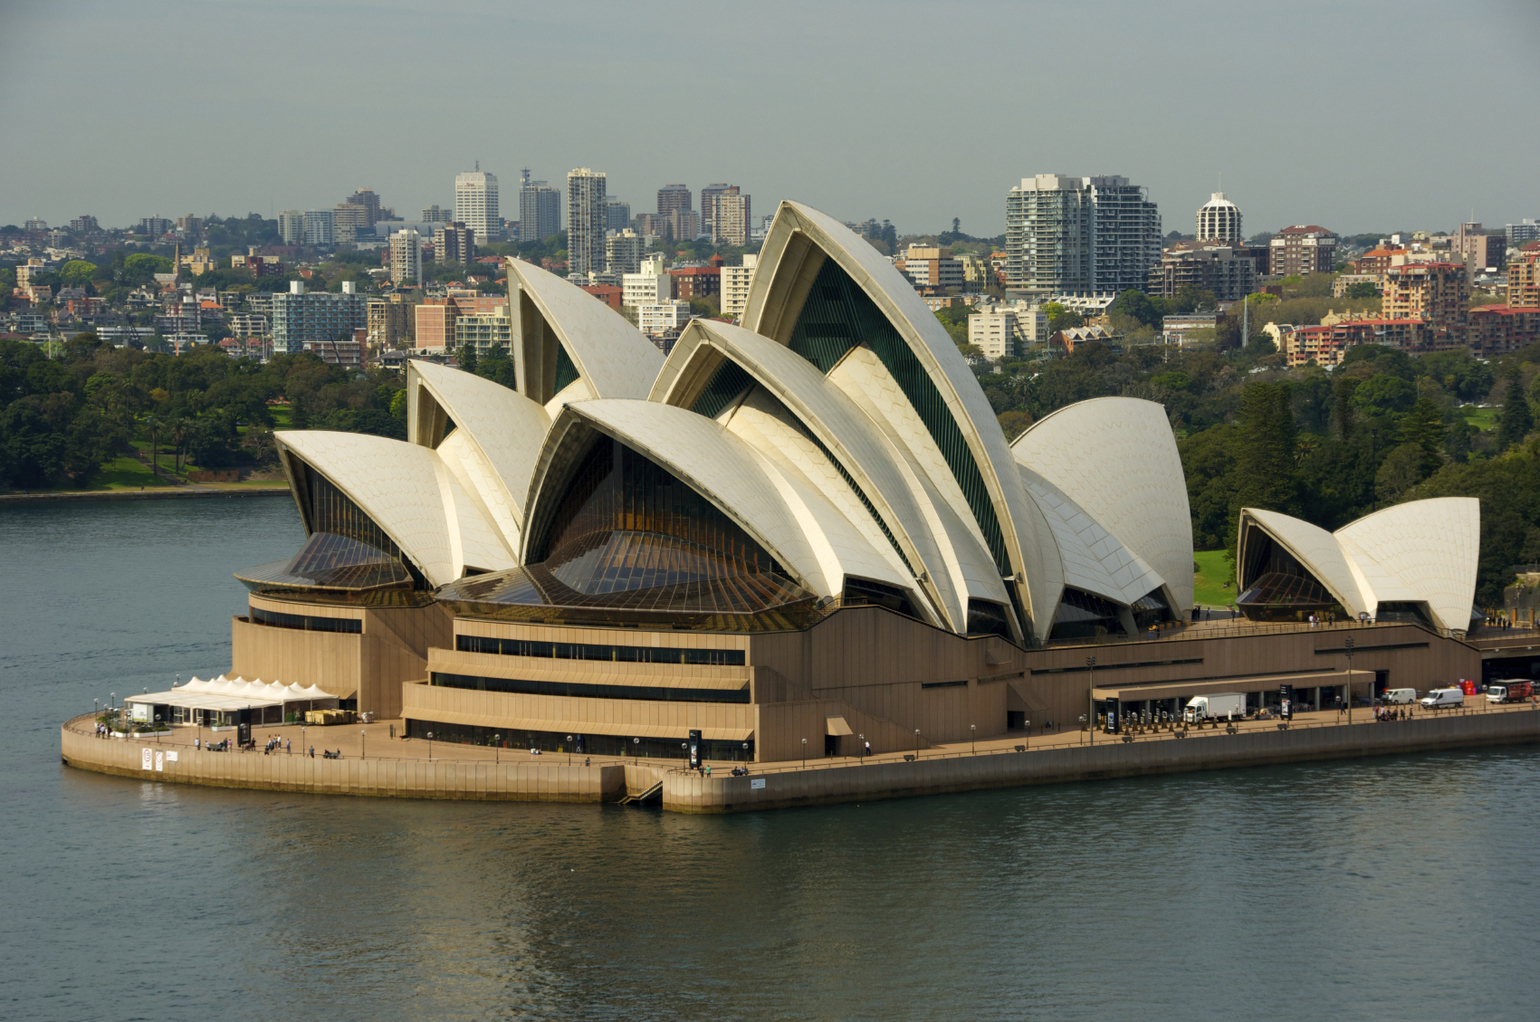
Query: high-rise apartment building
(1079, 235)
(623, 251)
(1302, 249)
(308, 322)
(708, 196)
(85, 224)
(1204, 265)
(406, 257)
(319, 227)
(1219, 219)
(1523, 281)
(617, 215)
(539, 210)
(735, 285)
(476, 204)
(436, 214)
(1480, 250)
(1437, 293)
(585, 222)
(730, 214)
(649, 285)
(1522, 233)
(391, 320)
(291, 226)
(672, 197)
(454, 243)
(154, 226)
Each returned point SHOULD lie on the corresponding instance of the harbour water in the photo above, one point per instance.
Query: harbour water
(1397, 888)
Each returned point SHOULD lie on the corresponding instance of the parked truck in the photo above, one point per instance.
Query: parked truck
(1510, 691)
(1228, 705)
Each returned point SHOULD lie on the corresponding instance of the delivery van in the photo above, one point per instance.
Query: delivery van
(1510, 690)
(1399, 696)
(1443, 698)
(1230, 705)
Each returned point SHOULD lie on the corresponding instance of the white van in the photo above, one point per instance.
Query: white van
(1399, 696)
(1443, 698)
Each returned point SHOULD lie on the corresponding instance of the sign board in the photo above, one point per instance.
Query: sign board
(160, 761)
(695, 748)
(756, 783)
(171, 755)
(146, 758)
(139, 711)
(1286, 702)
(1112, 716)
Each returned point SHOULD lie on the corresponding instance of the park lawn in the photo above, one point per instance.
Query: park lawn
(125, 473)
(1213, 572)
(1482, 418)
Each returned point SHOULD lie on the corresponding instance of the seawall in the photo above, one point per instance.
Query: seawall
(1110, 758)
(164, 493)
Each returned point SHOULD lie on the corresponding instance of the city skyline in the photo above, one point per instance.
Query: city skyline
(909, 161)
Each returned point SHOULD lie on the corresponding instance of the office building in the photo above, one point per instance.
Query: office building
(730, 216)
(454, 243)
(1302, 249)
(585, 222)
(930, 267)
(1079, 235)
(291, 226)
(476, 204)
(672, 197)
(1219, 219)
(436, 214)
(406, 258)
(302, 320)
(623, 251)
(736, 281)
(539, 211)
(318, 228)
(434, 326)
(617, 215)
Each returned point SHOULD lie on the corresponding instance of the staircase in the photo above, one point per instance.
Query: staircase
(653, 796)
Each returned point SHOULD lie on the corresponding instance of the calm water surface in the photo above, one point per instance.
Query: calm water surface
(1392, 889)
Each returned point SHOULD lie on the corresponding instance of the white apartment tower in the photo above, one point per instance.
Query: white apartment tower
(1079, 235)
(1219, 219)
(730, 216)
(291, 226)
(406, 257)
(735, 285)
(476, 204)
(539, 210)
(585, 222)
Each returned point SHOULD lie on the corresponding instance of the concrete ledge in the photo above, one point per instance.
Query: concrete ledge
(691, 793)
(383, 778)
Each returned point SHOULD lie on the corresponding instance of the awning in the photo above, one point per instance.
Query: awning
(228, 695)
(1256, 683)
(836, 726)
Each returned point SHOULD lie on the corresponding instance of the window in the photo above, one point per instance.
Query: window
(306, 623)
(591, 651)
(649, 693)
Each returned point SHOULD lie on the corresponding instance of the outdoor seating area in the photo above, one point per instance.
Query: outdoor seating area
(225, 702)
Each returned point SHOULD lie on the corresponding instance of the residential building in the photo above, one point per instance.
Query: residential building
(662, 317)
(585, 221)
(1522, 233)
(291, 226)
(1302, 249)
(454, 243)
(154, 226)
(85, 224)
(623, 251)
(1523, 281)
(617, 215)
(735, 282)
(698, 281)
(976, 274)
(391, 320)
(539, 211)
(1345, 282)
(672, 197)
(318, 228)
(1498, 330)
(730, 216)
(1436, 292)
(356, 215)
(996, 332)
(300, 319)
(1080, 235)
(683, 225)
(476, 204)
(1479, 249)
(484, 331)
(649, 285)
(1208, 266)
(436, 214)
(708, 196)
(248, 324)
(1177, 328)
(406, 258)
(609, 294)
(435, 325)
(930, 266)
(1219, 219)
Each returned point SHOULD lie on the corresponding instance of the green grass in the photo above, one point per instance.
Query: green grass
(1482, 418)
(282, 416)
(1213, 572)
(125, 473)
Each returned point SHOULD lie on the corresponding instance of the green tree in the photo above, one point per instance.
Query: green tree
(1516, 419)
(1266, 470)
(1424, 429)
(77, 273)
(465, 357)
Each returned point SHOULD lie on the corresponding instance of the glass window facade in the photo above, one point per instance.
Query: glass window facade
(648, 693)
(1278, 587)
(329, 561)
(304, 622)
(860, 591)
(329, 510)
(1082, 615)
(582, 744)
(726, 384)
(566, 372)
(594, 651)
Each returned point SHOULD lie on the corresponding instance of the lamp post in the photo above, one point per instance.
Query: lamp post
(636, 743)
(157, 729)
(804, 753)
(973, 737)
(916, 745)
(861, 749)
(1082, 723)
(302, 745)
(363, 745)
(745, 753)
(430, 746)
(1348, 645)
(1090, 699)
(497, 749)
(113, 702)
(569, 750)
(1027, 742)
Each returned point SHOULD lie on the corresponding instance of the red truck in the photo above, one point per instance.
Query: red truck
(1510, 691)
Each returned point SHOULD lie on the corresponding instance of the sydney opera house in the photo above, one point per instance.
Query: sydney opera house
(806, 532)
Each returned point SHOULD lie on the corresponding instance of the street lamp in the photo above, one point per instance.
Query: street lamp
(804, 753)
(1348, 645)
(157, 729)
(973, 737)
(430, 746)
(1027, 743)
(916, 745)
(1082, 722)
(862, 750)
(497, 749)
(302, 745)
(745, 752)
(363, 745)
(569, 750)
(636, 742)
(1090, 699)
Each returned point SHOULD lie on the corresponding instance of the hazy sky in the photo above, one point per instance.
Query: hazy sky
(1359, 115)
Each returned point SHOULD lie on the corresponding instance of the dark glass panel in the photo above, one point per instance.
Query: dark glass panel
(305, 622)
(596, 651)
(566, 372)
(860, 590)
(646, 693)
(1278, 587)
(1082, 615)
(1406, 612)
(582, 745)
(985, 617)
(1151, 609)
(729, 381)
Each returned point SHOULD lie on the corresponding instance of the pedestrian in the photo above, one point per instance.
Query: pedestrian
(868, 748)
